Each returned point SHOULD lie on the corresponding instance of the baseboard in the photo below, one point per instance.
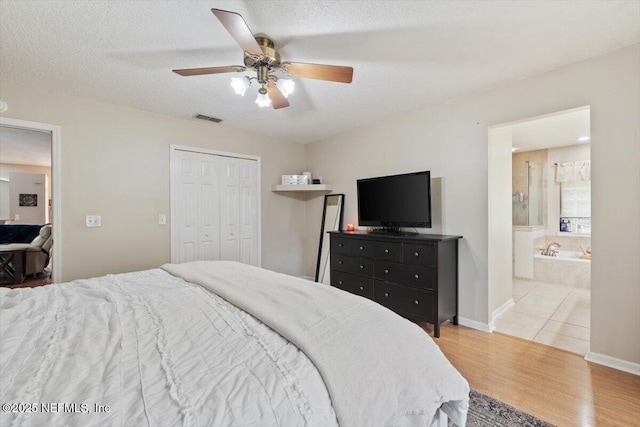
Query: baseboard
(499, 311)
(612, 362)
(474, 324)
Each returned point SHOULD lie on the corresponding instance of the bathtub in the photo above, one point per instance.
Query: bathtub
(565, 256)
(566, 268)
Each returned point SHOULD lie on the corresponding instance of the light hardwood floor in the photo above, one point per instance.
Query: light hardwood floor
(552, 384)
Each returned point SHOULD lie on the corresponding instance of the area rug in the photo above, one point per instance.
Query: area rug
(485, 411)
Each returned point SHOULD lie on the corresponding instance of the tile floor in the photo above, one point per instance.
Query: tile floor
(555, 315)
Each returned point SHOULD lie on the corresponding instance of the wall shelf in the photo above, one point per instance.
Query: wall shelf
(310, 187)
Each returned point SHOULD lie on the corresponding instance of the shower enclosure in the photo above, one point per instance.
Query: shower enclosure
(527, 203)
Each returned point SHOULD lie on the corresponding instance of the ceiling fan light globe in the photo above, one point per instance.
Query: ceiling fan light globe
(240, 85)
(263, 100)
(286, 86)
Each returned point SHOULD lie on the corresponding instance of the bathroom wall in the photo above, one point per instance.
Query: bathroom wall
(520, 180)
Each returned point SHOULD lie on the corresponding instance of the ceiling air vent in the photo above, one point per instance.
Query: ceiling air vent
(208, 118)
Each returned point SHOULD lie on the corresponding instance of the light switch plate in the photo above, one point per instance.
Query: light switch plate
(94, 221)
(162, 219)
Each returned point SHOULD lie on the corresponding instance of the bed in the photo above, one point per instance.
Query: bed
(216, 344)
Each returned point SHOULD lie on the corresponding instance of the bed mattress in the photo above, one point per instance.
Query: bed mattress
(149, 348)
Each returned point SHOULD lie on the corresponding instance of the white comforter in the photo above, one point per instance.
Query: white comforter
(157, 350)
(380, 369)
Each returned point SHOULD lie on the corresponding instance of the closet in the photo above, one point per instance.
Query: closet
(214, 207)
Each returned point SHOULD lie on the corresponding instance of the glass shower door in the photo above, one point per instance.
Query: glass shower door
(534, 215)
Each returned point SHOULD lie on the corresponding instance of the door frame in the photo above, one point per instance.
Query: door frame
(174, 196)
(56, 185)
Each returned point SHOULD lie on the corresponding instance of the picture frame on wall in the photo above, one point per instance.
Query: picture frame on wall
(28, 200)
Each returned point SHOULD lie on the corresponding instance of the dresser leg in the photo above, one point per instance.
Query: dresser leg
(436, 330)
(455, 320)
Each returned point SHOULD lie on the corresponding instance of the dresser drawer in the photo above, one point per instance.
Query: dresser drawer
(388, 251)
(410, 302)
(405, 274)
(362, 248)
(340, 245)
(358, 285)
(353, 265)
(419, 254)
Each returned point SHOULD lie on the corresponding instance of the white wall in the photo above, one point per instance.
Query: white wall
(570, 153)
(29, 184)
(115, 163)
(451, 141)
(500, 240)
(8, 168)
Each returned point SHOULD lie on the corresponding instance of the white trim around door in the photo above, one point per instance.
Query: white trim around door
(56, 165)
(173, 197)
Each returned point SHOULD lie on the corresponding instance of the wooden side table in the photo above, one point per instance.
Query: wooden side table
(12, 266)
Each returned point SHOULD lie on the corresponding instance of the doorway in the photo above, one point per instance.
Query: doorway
(27, 154)
(549, 232)
(215, 206)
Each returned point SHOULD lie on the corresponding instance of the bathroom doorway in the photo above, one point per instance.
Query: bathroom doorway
(550, 231)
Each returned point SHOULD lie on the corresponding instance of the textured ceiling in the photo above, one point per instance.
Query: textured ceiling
(557, 130)
(25, 147)
(405, 54)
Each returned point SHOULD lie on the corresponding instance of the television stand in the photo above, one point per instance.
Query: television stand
(415, 276)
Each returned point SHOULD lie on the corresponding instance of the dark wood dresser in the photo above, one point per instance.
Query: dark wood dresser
(416, 276)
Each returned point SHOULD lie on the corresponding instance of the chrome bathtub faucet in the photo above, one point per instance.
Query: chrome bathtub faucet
(552, 249)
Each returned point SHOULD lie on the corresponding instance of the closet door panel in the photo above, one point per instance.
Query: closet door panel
(186, 167)
(230, 209)
(209, 208)
(248, 212)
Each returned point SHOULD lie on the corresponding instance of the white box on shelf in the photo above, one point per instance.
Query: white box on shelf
(295, 180)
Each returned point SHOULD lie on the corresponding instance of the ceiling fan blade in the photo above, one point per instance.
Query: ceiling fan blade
(277, 98)
(333, 73)
(235, 25)
(210, 70)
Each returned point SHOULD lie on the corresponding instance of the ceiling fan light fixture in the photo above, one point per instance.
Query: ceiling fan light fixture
(261, 57)
(286, 86)
(263, 99)
(240, 84)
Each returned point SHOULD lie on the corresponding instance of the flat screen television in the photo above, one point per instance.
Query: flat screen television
(395, 201)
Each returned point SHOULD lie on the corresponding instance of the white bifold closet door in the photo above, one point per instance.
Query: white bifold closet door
(239, 210)
(216, 208)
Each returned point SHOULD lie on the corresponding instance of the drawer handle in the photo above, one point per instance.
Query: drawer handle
(339, 282)
(386, 294)
(361, 248)
(339, 262)
(386, 251)
(417, 276)
(416, 302)
(416, 254)
(362, 288)
(386, 271)
(361, 266)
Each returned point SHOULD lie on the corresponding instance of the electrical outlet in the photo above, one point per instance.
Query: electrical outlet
(16, 217)
(94, 221)
(162, 219)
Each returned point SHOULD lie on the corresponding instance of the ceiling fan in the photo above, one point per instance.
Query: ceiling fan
(261, 56)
